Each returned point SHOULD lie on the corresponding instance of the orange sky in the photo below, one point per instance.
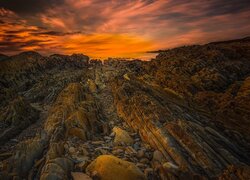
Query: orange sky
(116, 28)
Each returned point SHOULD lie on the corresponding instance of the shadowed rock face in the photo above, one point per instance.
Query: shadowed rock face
(40, 78)
(183, 115)
(17, 116)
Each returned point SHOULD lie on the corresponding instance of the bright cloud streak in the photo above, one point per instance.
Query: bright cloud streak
(118, 28)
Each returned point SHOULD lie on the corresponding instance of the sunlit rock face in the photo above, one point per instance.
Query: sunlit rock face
(186, 136)
(214, 76)
(110, 167)
(183, 115)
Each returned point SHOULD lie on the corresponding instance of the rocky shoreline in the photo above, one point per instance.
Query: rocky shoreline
(183, 115)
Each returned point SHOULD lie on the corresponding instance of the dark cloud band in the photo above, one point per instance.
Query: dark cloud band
(28, 7)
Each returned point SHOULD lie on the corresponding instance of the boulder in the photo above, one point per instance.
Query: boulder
(122, 136)
(108, 167)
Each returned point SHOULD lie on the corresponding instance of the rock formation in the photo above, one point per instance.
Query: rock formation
(183, 115)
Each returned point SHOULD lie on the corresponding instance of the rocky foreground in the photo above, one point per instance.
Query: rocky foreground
(183, 115)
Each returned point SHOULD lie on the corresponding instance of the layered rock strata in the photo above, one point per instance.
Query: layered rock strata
(183, 115)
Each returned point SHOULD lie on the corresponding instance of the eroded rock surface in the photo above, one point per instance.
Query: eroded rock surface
(17, 116)
(183, 115)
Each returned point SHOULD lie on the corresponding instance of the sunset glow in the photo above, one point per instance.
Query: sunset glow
(103, 29)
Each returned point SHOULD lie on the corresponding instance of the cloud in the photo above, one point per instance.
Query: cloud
(28, 7)
(107, 45)
(16, 35)
(119, 28)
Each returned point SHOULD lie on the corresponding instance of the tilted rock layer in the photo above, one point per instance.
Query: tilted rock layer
(183, 115)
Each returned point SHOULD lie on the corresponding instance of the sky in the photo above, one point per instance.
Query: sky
(118, 28)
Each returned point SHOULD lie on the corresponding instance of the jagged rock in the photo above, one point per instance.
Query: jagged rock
(66, 107)
(191, 104)
(174, 129)
(63, 106)
(57, 166)
(211, 75)
(109, 167)
(25, 156)
(77, 123)
(18, 115)
(122, 136)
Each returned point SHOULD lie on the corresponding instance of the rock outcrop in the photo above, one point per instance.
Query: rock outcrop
(17, 116)
(210, 75)
(72, 115)
(185, 136)
(183, 115)
(24, 161)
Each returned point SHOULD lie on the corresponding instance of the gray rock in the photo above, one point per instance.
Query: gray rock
(136, 146)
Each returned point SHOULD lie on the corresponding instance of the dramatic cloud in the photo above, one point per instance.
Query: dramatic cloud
(29, 7)
(118, 28)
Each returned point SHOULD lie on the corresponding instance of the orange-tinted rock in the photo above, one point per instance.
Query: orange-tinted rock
(122, 137)
(109, 167)
(183, 134)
